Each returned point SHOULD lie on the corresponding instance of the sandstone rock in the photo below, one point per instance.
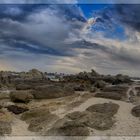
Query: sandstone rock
(99, 121)
(51, 91)
(109, 109)
(136, 111)
(33, 114)
(23, 87)
(76, 115)
(109, 95)
(100, 84)
(69, 128)
(37, 124)
(21, 96)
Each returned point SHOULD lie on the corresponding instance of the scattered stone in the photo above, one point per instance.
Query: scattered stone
(21, 96)
(16, 109)
(136, 111)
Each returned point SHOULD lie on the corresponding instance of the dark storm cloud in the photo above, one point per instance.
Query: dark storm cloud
(46, 26)
(129, 14)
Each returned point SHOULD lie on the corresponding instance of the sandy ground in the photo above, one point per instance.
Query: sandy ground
(20, 128)
(126, 124)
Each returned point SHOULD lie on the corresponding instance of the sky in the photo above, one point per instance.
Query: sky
(70, 38)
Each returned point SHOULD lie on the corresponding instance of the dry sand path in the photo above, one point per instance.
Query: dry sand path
(20, 128)
(126, 124)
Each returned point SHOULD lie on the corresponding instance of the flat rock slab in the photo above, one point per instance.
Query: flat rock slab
(105, 108)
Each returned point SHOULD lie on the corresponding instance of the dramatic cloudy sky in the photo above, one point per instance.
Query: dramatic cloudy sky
(70, 37)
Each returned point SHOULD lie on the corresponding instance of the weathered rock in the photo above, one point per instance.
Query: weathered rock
(23, 87)
(109, 95)
(37, 124)
(79, 88)
(5, 128)
(93, 89)
(33, 114)
(17, 109)
(21, 96)
(76, 115)
(52, 91)
(100, 84)
(69, 128)
(109, 109)
(118, 89)
(136, 111)
(99, 121)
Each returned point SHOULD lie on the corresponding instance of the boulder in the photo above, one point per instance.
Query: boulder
(118, 89)
(23, 87)
(109, 109)
(34, 113)
(17, 109)
(52, 91)
(99, 121)
(100, 84)
(109, 95)
(68, 128)
(93, 89)
(79, 88)
(76, 115)
(136, 111)
(21, 96)
(38, 123)
(5, 128)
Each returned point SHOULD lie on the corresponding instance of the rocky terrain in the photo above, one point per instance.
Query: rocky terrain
(85, 104)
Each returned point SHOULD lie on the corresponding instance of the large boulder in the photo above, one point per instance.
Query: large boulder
(21, 96)
(34, 113)
(52, 91)
(66, 127)
(23, 87)
(106, 108)
(113, 92)
(109, 95)
(99, 121)
(39, 123)
(100, 84)
(5, 128)
(38, 119)
(136, 111)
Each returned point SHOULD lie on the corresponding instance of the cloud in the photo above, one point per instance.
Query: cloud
(51, 38)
